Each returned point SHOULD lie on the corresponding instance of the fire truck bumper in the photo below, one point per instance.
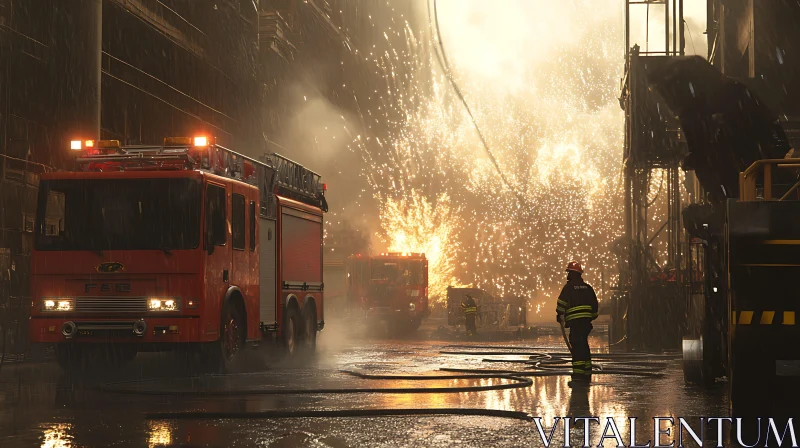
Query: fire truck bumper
(390, 314)
(131, 330)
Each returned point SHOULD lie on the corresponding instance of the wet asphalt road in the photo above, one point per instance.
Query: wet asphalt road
(39, 406)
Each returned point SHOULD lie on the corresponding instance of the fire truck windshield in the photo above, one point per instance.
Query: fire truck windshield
(118, 214)
(407, 272)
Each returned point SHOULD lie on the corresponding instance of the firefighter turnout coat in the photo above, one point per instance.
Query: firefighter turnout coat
(577, 303)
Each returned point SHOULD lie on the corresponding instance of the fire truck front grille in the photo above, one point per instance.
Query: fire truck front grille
(111, 304)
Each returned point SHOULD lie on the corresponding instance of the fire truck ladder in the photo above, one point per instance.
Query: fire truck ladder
(295, 181)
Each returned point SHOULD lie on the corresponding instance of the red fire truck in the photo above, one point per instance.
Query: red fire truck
(391, 287)
(187, 246)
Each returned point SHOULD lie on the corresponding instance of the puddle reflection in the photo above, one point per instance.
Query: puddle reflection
(159, 434)
(57, 436)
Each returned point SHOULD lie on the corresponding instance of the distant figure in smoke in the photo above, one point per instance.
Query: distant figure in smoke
(577, 308)
(470, 310)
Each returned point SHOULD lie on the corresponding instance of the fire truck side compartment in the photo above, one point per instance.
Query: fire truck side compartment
(267, 285)
(301, 254)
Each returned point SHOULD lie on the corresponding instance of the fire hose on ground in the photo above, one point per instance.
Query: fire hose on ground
(339, 413)
(538, 363)
(517, 382)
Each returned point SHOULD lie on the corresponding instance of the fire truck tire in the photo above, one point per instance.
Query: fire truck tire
(231, 341)
(309, 330)
(293, 331)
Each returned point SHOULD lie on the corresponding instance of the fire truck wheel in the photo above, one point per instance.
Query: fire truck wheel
(415, 324)
(232, 333)
(293, 326)
(403, 327)
(309, 329)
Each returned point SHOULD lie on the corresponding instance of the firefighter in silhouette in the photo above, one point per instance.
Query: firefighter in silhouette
(577, 308)
(470, 311)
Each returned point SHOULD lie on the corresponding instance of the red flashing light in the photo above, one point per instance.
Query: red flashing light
(76, 145)
(324, 187)
(201, 141)
(89, 143)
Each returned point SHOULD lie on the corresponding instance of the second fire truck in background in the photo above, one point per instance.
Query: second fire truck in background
(392, 287)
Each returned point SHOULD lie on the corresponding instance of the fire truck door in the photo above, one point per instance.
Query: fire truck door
(239, 253)
(218, 254)
(244, 260)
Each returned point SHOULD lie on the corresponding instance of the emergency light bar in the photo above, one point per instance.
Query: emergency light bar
(94, 147)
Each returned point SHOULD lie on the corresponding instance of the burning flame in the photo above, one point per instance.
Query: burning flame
(416, 224)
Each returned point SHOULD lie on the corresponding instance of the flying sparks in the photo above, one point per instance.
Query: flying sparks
(555, 128)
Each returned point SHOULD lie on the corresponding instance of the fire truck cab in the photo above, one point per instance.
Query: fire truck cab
(186, 246)
(391, 286)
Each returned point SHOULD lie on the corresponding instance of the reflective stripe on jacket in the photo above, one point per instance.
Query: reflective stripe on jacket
(469, 306)
(580, 311)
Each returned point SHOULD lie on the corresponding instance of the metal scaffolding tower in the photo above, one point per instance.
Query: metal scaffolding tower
(648, 302)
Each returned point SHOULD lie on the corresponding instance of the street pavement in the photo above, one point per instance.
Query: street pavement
(42, 407)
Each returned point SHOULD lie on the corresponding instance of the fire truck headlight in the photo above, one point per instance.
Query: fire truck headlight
(58, 304)
(163, 304)
(412, 306)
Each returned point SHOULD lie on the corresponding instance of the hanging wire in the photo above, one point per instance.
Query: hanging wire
(441, 56)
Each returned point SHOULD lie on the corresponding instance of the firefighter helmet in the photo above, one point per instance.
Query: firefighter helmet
(575, 267)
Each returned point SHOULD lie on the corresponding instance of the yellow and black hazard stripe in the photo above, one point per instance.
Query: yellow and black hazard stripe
(763, 317)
